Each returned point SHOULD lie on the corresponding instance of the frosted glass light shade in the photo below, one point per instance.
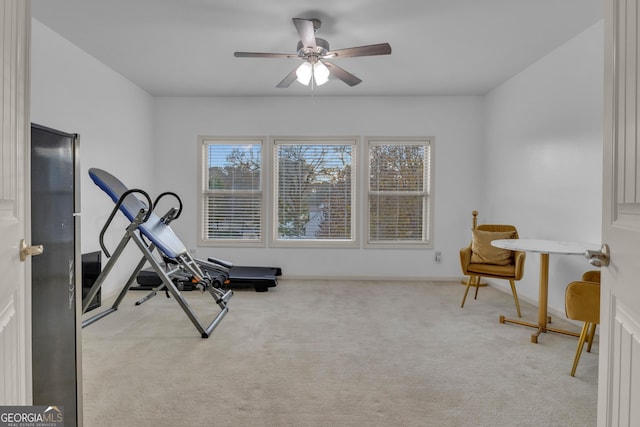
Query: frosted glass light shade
(320, 73)
(304, 72)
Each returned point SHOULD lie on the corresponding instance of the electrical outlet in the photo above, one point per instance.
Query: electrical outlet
(438, 256)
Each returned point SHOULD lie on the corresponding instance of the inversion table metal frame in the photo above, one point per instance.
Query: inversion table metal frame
(176, 258)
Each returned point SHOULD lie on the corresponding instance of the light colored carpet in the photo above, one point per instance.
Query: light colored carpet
(335, 353)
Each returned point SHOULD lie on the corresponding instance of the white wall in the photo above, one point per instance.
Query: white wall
(543, 157)
(455, 122)
(73, 92)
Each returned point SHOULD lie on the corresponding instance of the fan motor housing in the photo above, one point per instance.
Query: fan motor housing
(321, 49)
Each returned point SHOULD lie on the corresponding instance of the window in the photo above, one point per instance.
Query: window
(314, 191)
(232, 191)
(399, 192)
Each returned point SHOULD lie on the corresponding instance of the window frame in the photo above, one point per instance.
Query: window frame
(353, 242)
(204, 141)
(428, 201)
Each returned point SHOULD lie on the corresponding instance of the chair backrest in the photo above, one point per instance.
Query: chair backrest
(498, 227)
(591, 276)
(582, 301)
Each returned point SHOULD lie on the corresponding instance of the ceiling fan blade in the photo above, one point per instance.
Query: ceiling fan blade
(306, 31)
(264, 55)
(369, 50)
(290, 78)
(342, 74)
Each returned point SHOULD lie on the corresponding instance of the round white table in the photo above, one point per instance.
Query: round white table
(544, 248)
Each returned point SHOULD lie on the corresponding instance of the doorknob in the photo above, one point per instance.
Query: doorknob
(598, 258)
(25, 250)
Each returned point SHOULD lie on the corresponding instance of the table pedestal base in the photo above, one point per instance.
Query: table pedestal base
(540, 329)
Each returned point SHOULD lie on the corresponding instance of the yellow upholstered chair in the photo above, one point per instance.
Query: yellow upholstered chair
(480, 259)
(591, 276)
(582, 302)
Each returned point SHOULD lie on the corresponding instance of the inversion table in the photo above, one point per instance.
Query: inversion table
(151, 232)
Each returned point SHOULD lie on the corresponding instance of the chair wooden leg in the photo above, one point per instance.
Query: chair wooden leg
(592, 333)
(466, 291)
(476, 282)
(583, 336)
(515, 296)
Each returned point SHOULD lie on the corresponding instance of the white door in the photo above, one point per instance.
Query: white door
(15, 298)
(619, 370)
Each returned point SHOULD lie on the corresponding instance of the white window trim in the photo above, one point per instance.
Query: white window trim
(364, 187)
(203, 142)
(354, 242)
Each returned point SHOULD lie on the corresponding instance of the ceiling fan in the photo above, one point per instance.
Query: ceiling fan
(315, 53)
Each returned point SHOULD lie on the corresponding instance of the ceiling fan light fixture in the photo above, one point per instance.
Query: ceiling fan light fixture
(313, 51)
(304, 73)
(320, 73)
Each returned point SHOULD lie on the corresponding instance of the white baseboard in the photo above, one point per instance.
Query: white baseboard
(375, 278)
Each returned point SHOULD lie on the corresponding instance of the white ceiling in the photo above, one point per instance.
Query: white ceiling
(439, 47)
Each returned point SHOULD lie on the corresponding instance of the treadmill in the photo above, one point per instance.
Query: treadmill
(260, 278)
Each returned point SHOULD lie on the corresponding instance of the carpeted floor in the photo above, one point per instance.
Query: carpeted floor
(335, 353)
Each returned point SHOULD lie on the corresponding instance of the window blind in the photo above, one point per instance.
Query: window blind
(399, 191)
(314, 190)
(233, 191)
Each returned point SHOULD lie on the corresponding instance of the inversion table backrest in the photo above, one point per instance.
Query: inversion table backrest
(153, 229)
